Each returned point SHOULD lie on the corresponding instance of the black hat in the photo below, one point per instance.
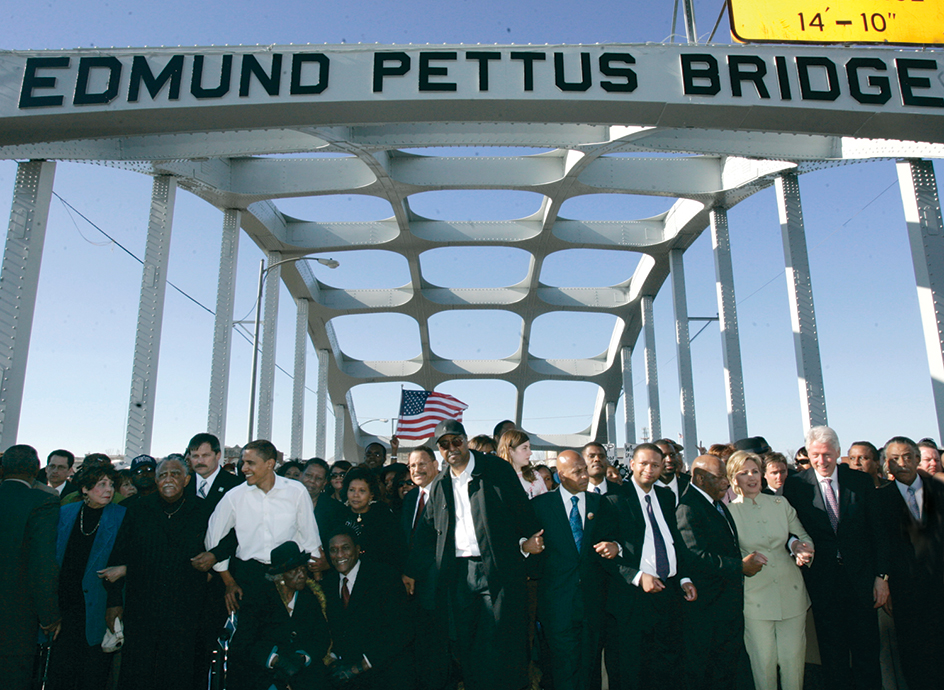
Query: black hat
(285, 557)
(754, 444)
(448, 427)
(143, 460)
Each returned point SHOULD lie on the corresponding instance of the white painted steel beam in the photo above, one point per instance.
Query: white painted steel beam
(922, 206)
(728, 322)
(321, 413)
(800, 291)
(652, 369)
(270, 327)
(339, 421)
(629, 404)
(683, 350)
(223, 326)
(147, 344)
(299, 377)
(19, 279)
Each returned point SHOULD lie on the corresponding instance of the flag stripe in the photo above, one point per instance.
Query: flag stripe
(421, 411)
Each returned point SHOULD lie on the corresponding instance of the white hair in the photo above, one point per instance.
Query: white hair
(823, 434)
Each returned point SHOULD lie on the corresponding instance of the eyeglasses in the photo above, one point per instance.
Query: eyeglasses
(455, 442)
(338, 474)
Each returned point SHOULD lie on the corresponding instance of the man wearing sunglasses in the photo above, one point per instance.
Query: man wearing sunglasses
(477, 529)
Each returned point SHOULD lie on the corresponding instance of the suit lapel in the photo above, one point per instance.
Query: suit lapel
(590, 522)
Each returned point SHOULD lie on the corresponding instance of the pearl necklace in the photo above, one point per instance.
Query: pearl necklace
(82, 523)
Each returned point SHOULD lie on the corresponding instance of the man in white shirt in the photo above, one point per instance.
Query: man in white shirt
(647, 594)
(673, 469)
(266, 511)
(476, 530)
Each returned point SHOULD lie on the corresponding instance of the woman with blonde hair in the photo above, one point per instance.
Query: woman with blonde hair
(775, 598)
(515, 447)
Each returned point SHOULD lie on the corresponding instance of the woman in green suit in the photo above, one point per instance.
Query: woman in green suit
(775, 599)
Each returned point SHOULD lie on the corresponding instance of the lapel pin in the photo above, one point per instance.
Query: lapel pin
(589, 516)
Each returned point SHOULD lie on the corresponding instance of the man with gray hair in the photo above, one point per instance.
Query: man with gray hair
(848, 579)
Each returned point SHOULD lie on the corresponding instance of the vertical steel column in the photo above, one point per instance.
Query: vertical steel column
(922, 207)
(338, 432)
(270, 327)
(683, 348)
(147, 343)
(223, 326)
(652, 372)
(802, 314)
(19, 279)
(629, 405)
(298, 384)
(727, 316)
(611, 423)
(321, 414)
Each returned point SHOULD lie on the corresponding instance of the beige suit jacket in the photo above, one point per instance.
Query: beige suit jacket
(764, 525)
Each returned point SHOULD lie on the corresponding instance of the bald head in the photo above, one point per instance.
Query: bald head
(572, 471)
(709, 476)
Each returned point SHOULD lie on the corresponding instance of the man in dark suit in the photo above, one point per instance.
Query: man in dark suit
(58, 466)
(911, 510)
(431, 650)
(714, 630)
(29, 576)
(571, 588)
(367, 613)
(477, 528)
(207, 488)
(847, 579)
(651, 579)
(594, 454)
(673, 475)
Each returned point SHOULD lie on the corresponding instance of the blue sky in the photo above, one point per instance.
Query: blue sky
(77, 384)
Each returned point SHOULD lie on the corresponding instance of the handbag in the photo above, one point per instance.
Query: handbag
(113, 641)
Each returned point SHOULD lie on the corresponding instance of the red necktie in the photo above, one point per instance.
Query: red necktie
(420, 504)
(345, 593)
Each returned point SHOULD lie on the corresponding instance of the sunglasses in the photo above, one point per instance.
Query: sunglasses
(456, 442)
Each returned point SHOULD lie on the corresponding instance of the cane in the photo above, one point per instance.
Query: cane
(44, 660)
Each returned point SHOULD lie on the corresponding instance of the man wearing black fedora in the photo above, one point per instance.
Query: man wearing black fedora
(283, 626)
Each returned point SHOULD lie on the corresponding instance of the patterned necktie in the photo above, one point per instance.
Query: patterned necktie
(202, 493)
(596, 490)
(913, 503)
(576, 527)
(420, 504)
(345, 593)
(832, 508)
(662, 556)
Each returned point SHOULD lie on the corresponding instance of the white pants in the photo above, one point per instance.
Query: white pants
(777, 643)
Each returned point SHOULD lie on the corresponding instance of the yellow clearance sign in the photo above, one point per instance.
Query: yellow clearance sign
(907, 22)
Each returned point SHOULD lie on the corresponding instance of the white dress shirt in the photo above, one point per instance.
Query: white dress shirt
(568, 504)
(602, 486)
(424, 496)
(647, 559)
(351, 577)
(264, 520)
(208, 482)
(834, 483)
(467, 544)
(673, 486)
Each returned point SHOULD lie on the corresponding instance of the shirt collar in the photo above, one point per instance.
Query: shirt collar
(703, 493)
(916, 484)
(465, 474)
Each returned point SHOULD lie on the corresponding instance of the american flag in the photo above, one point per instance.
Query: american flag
(421, 411)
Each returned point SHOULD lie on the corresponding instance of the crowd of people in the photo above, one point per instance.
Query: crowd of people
(729, 572)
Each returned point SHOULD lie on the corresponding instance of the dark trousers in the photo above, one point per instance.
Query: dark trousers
(919, 624)
(714, 643)
(847, 630)
(430, 650)
(650, 635)
(250, 576)
(212, 620)
(74, 664)
(16, 671)
(155, 659)
(574, 655)
(489, 633)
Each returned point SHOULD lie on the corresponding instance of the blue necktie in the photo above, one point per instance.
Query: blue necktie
(575, 525)
(913, 504)
(662, 556)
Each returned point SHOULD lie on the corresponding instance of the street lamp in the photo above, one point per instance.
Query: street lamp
(330, 263)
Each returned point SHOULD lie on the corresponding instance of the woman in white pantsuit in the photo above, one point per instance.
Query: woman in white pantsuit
(775, 599)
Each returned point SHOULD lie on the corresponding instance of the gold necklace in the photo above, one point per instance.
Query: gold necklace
(177, 509)
(82, 523)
